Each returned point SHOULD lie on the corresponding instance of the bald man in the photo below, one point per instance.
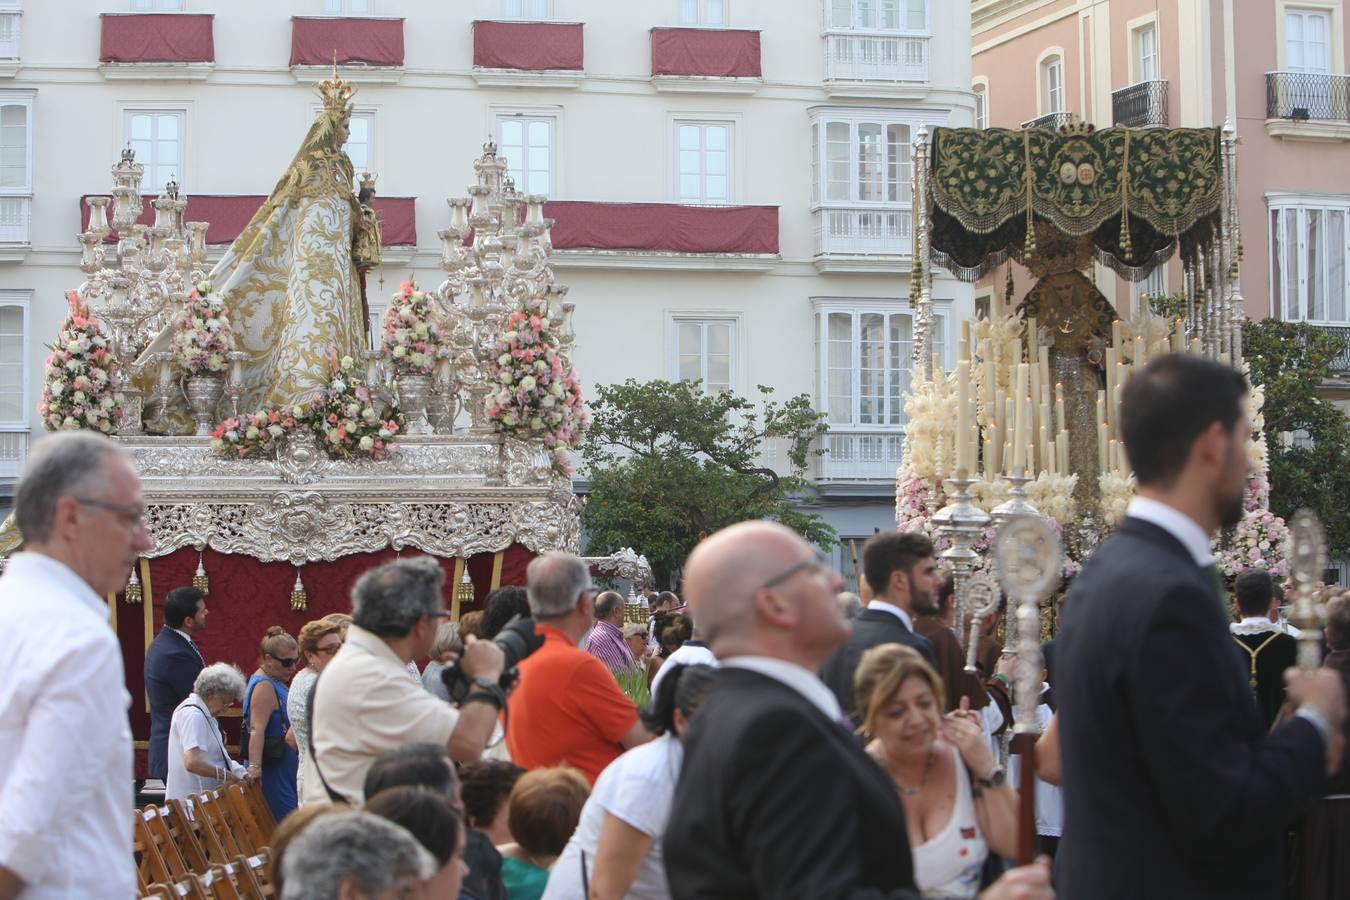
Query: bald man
(776, 796)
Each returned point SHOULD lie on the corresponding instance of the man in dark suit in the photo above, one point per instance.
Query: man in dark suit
(776, 797)
(171, 665)
(1172, 786)
(1266, 650)
(902, 572)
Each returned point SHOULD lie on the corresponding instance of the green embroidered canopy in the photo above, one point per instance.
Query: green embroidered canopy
(1135, 194)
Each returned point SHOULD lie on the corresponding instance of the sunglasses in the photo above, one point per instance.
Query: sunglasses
(286, 662)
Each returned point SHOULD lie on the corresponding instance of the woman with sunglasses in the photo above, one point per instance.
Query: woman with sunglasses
(320, 641)
(268, 740)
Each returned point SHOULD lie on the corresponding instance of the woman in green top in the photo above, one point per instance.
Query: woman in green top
(544, 808)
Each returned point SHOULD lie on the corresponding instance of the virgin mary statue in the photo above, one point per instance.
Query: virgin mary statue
(292, 280)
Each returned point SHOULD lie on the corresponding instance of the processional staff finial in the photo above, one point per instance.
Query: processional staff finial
(1307, 564)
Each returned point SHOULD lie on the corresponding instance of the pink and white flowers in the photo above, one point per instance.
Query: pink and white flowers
(1260, 541)
(536, 393)
(78, 390)
(203, 339)
(413, 339)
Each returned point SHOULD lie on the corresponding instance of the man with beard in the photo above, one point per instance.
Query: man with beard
(1172, 786)
(902, 572)
(950, 659)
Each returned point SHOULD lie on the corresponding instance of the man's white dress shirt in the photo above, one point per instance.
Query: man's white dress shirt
(65, 743)
(1177, 524)
(894, 610)
(803, 681)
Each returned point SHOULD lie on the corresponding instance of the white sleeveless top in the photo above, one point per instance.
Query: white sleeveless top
(949, 863)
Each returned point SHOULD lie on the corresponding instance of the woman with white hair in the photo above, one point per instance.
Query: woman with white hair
(198, 760)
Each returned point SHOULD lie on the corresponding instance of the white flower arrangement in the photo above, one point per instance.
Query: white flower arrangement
(78, 389)
(203, 339)
(1115, 492)
(1052, 495)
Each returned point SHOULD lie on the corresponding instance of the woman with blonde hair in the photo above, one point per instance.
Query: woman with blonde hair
(320, 640)
(268, 743)
(958, 805)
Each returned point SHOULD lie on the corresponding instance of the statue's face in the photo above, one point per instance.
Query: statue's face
(1064, 291)
(344, 129)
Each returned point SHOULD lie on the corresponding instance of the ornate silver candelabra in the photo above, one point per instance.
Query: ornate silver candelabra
(963, 523)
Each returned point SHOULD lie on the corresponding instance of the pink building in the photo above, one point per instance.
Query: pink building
(1277, 71)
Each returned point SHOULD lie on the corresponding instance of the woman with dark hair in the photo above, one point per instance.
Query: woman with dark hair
(268, 743)
(501, 606)
(616, 848)
(431, 817)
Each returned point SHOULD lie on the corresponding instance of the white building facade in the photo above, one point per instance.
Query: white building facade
(769, 142)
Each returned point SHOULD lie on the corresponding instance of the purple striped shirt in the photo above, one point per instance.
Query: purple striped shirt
(607, 645)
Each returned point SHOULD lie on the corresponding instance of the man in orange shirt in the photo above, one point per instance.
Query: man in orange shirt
(568, 709)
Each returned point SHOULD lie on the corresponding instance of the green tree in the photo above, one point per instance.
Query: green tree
(668, 463)
(1307, 437)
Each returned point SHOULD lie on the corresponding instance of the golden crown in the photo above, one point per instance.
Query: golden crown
(335, 92)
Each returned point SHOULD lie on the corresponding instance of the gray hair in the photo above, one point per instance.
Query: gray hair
(447, 640)
(606, 603)
(389, 599)
(635, 629)
(553, 582)
(371, 850)
(221, 680)
(61, 465)
(850, 603)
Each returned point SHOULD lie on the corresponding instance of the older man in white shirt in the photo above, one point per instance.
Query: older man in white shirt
(65, 742)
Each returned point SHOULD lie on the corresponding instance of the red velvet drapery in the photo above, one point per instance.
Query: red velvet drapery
(373, 42)
(663, 227)
(153, 37)
(247, 596)
(531, 46)
(711, 52)
(229, 215)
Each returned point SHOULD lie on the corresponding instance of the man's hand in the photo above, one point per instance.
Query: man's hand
(1321, 691)
(1007, 664)
(482, 659)
(1023, 883)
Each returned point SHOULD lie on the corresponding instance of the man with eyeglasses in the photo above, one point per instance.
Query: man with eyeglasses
(65, 742)
(364, 703)
(777, 797)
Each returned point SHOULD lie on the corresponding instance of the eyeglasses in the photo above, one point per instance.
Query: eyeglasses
(439, 614)
(285, 662)
(329, 650)
(816, 565)
(130, 515)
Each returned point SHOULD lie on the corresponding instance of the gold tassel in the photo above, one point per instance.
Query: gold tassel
(299, 600)
(1126, 247)
(1029, 247)
(199, 580)
(133, 592)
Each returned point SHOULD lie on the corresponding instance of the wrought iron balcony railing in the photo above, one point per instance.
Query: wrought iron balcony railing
(860, 456)
(1140, 105)
(1341, 364)
(1305, 96)
(1049, 120)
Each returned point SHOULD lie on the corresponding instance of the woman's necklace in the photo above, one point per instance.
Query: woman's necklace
(927, 770)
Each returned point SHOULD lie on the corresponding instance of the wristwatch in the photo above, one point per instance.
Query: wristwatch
(485, 690)
(994, 779)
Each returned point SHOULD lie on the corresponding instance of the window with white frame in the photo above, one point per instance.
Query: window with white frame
(11, 25)
(347, 7)
(360, 146)
(705, 350)
(1306, 42)
(703, 12)
(157, 137)
(981, 92)
(527, 144)
(156, 5)
(16, 166)
(1310, 259)
(1155, 285)
(527, 9)
(866, 360)
(13, 381)
(865, 160)
(1145, 39)
(703, 162)
(881, 15)
(1052, 85)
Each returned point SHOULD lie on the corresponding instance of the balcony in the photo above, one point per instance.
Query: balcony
(1053, 121)
(1340, 366)
(863, 238)
(15, 213)
(365, 49)
(1308, 106)
(862, 64)
(663, 235)
(528, 54)
(860, 455)
(1142, 105)
(13, 451)
(155, 46)
(706, 60)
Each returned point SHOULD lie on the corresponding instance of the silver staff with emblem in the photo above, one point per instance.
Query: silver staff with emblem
(982, 598)
(1307, 565)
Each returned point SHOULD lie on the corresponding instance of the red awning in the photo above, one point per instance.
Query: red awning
(374, 42)
(229, 214)
(157, 38)
(663, 227)
(705, 51)
(531, 46)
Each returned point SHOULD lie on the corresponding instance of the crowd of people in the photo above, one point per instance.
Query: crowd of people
(790, 741)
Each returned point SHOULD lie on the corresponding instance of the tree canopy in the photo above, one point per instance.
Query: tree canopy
(669, 463)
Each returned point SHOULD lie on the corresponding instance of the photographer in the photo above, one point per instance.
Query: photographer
(365, 703)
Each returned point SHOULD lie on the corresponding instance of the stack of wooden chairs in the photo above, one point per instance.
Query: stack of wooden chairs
(211, 846)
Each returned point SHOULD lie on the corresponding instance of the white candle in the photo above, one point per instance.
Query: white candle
(1102, 447)
(1044, 447)
(965, 341)
(989, 391)
(1059, 406)
(1033, 341)
(1140, 353)
(1115, 333)
(962, 414)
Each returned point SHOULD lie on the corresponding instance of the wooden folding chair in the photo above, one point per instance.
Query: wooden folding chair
(151, 868)
(240, 826)
(159, 832)
(159, 892)
(262, 813)
(176, 821)
(221, 846)
(194, 887)
(237, 796)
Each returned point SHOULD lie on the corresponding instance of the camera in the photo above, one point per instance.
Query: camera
(517, 640)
